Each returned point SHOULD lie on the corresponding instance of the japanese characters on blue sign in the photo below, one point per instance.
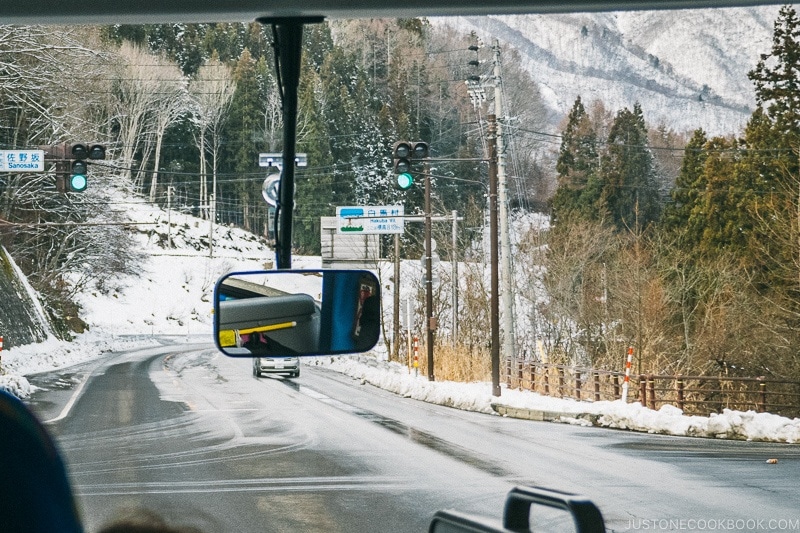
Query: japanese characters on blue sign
(370, 219)
(21, 160)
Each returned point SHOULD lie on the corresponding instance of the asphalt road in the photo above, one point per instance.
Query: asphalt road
(191, 435)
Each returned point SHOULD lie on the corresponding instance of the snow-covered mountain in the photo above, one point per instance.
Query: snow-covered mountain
(687, 68)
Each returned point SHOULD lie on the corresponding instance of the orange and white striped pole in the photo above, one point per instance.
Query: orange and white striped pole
(627, 379)
(416, 355)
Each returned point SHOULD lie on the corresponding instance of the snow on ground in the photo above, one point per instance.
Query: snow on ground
(668, 420)
(172, 295)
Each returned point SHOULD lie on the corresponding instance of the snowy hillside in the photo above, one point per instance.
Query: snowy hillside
(687, 69)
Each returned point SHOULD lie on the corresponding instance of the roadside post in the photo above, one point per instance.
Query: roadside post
(416, 355)
(627, 379)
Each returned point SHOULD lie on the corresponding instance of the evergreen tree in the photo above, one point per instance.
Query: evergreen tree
(629, 188)
(578, 160)
(315, 193)
(718, 215)
(241, 149)
(776, 77)
(577, 156)
(773, 141)
(685, 196)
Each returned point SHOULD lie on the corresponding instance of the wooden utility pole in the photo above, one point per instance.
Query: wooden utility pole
(494, 259)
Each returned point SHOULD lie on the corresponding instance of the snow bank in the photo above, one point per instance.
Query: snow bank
(668, 420)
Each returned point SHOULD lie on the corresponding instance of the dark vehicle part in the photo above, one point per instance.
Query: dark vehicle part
(274, 313)
(516, 516)
(449, 521)
(35, 496)
(160, 12)
(517, 513)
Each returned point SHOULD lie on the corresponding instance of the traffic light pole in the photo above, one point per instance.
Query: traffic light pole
(396, 300)
(455, 219)
(430, 321)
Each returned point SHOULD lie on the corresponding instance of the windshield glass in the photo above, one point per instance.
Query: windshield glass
(557, 250)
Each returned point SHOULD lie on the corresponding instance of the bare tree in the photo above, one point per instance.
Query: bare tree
(211, 93)
(150, 94)
(574, 317)
(172, 101)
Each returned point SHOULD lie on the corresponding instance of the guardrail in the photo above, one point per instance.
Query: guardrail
(700, 395)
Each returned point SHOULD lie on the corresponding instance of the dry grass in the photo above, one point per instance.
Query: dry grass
(457, 364)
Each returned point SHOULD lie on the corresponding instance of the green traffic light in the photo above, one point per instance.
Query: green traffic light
(77, 183)
(405, 180)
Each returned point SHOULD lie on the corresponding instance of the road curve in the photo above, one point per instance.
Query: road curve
(190, 434)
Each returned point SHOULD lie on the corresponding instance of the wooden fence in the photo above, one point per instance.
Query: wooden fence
(700, 395)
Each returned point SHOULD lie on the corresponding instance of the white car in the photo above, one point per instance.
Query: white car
(276, 365)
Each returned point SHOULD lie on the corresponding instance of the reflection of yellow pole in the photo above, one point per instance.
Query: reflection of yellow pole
(227, 337)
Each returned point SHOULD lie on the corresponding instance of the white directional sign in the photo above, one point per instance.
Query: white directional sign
(370, 219)
(21, 160)
(276, 160)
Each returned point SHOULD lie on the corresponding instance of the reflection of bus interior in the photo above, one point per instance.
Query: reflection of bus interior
(258, 320)
(366, 326)
(350, 311)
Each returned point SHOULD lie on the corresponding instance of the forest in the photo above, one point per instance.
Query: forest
(701, 275)
(682, 246)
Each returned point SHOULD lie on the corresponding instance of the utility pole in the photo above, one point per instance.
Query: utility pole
(494, 304)
(430, 320)
(396, 302)
(170, 191)
(213, 198)
(505, 237)
(454, 261)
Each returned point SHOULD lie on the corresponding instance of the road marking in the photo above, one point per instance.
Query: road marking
(147, 351)
(297, 484)
(65, 411)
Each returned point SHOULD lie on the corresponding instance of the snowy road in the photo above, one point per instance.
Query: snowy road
(194, 436)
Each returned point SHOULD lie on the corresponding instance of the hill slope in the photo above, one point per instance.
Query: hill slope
(688, 69)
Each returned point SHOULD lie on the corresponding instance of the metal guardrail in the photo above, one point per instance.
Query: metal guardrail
(698, 395)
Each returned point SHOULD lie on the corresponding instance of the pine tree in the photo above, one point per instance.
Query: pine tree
(685, 195)
(629, 188)
(578, 160)
(316, 193)
(240, 150)
(777, 77)
(773, 141)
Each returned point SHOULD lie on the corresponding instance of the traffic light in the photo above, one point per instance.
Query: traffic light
(404, 154)
(77, 181)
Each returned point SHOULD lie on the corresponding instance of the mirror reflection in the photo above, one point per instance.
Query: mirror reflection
(296, 312)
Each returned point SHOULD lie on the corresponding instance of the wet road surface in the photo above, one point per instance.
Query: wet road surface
(192, 435)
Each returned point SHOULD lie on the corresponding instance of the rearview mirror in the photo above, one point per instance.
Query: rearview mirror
(296, 312)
